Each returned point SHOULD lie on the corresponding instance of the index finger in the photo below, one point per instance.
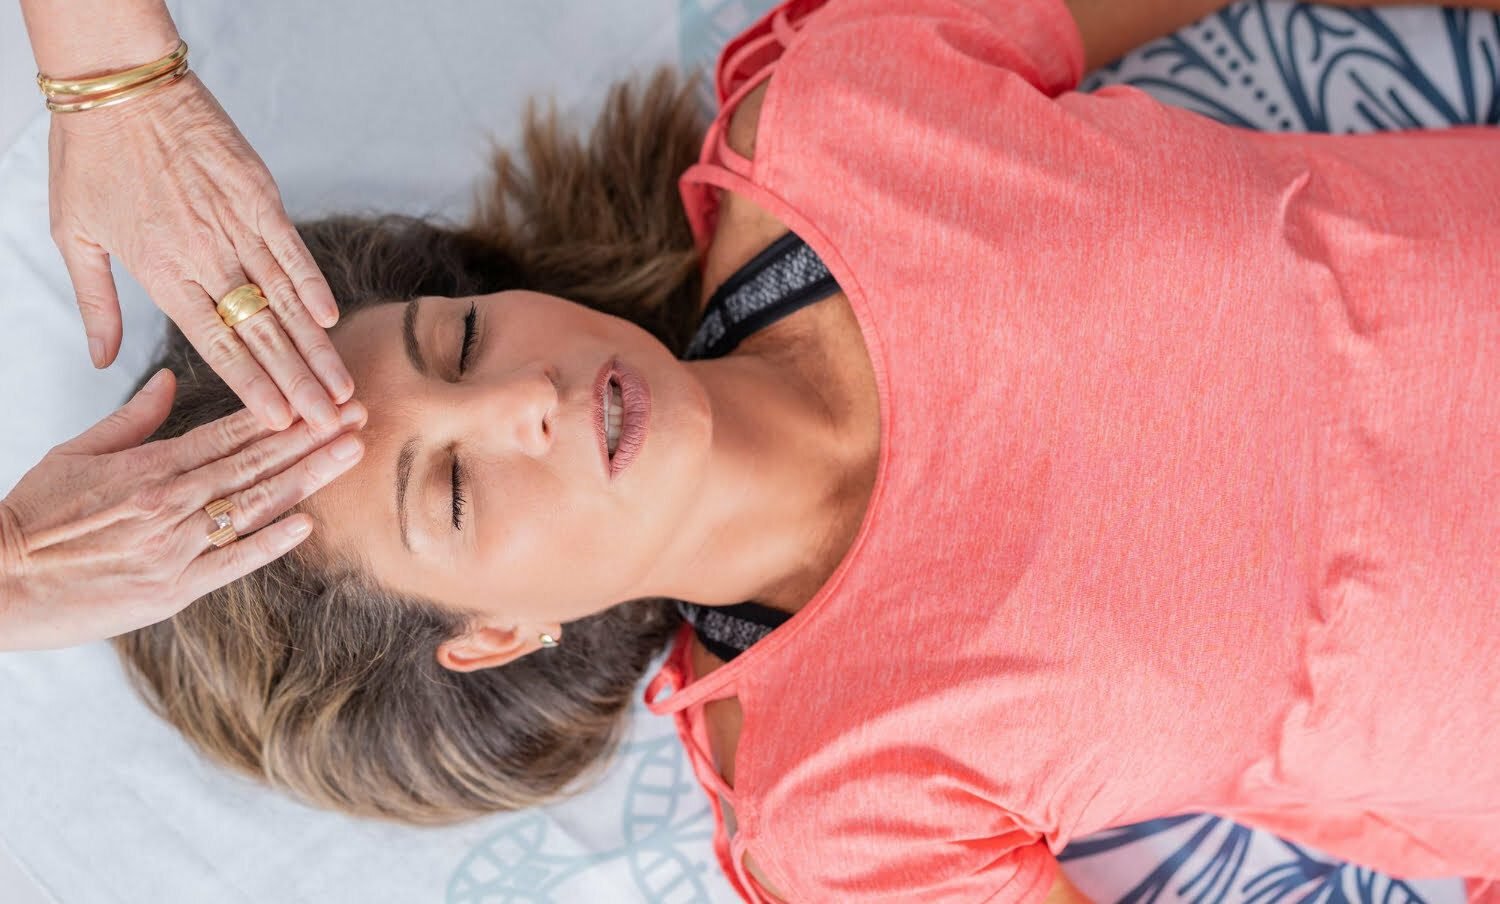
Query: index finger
(233, 433)
(272, 455)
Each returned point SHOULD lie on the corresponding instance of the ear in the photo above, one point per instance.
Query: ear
(487, 646)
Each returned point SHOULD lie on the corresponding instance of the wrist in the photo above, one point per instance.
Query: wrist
(95, 41)
(12, 550)
(122, 52)
(155, 106)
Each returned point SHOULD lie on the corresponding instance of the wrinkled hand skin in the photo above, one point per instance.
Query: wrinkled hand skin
(172, 123)
(67, 490)
(154, 180)
(106, 535)
(166, 183)
(122, 574)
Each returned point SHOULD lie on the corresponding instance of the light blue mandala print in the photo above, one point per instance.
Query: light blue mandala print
(1261, 65)
(660, 848)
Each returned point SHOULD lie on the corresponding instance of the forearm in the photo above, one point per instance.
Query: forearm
(83, 38)
(1112, 28)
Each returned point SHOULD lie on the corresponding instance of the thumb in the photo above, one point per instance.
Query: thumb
(133, 422)
(88, 268)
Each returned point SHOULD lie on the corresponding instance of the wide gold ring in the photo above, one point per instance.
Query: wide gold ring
(219, 510)
(241, 304)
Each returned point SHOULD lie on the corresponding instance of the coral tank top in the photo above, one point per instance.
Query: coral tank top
(1189, 485)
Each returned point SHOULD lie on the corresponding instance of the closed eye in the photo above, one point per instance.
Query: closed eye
(471, 336)
(459, 500)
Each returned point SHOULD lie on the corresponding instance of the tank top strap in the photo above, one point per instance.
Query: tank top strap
(745, 64)
(692, 728)
(718, 137)
(676, 688)
(762, 43)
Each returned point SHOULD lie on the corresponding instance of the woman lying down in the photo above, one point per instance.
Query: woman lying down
(986, 493)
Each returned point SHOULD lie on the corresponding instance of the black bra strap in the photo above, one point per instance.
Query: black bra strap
(786, 276)
(727, 631)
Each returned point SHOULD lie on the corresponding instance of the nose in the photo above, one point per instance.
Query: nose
(517, 408)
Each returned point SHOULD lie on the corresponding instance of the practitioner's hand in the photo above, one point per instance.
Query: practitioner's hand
(106, 535)
(167, 184)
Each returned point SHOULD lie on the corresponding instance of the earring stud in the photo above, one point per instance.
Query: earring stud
(548, 640)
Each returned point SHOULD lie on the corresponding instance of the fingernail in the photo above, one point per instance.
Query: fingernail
(298, 529)
(96, 350)
(345, 448)
(353, 414)
(155, 383)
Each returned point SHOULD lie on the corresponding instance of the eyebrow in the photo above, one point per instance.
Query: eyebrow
(404, 462)
(409, 337)
(408, 455)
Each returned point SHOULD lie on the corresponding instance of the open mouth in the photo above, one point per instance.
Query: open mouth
(614, 418)
(622, 415)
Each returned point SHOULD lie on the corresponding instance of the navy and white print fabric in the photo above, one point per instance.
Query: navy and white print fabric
(1260, 65)
(1299, 68)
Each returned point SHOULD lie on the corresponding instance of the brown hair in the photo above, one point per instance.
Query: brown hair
(307, 675)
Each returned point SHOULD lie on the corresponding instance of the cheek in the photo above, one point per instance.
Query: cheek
(528, 515)
(546, 543)
(539, 324)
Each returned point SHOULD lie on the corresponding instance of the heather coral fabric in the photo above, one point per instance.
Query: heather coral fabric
(1189, 491)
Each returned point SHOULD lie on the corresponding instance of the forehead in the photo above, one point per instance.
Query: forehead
(356, 514)
(360, 337)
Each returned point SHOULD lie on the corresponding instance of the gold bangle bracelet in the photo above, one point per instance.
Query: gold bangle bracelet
(116, 81)
(109, 100)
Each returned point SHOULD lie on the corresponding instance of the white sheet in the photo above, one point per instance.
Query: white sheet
(102, 803)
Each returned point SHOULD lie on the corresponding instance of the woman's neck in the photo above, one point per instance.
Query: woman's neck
(777, 494)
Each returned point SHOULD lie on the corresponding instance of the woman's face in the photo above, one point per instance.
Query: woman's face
(535, 530)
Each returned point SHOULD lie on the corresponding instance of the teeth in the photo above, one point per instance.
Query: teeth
(613, 417)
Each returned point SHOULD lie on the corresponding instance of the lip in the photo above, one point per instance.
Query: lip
(635, 396)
